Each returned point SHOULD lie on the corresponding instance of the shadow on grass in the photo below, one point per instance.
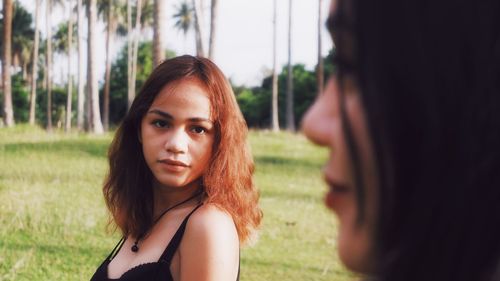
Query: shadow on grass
(96, 148)
(287, 195)
(278, 264)
(287, 161)
(59, 249)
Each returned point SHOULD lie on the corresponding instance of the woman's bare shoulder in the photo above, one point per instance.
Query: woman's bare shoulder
(211, 245)
(209, 220)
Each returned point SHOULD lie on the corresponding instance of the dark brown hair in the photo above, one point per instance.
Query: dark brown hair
(429, 74)
(227, 182)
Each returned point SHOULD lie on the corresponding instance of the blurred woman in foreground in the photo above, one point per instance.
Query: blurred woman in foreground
(412, 120)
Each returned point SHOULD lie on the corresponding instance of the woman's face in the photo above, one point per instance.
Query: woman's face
(322, 124)
(177, 134)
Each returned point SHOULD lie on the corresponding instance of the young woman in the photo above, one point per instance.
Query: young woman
(180, 183)
(412, 121)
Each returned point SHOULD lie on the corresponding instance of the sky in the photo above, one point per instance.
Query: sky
(244, 41)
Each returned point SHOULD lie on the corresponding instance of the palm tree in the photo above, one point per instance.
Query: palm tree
(213, 27)
(197, 12)
(135, 49)
(48, 63)
(6, 63)
(274, 102)
(158, 54)
(133, 41)
(130, 87)
(92, 90)
(111, 10)
(21, 41)
(81, 79)
(34, 68)
(290, 120)
(184, 18)
(64, 43)
(319, 69)
(48, 60)
(60, 38)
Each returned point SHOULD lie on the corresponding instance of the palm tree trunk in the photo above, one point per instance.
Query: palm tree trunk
(109, 40)
(198, 29)
(319, 69)
(34, 70)
(213, 28)
(290, 119)
(81, 81)
(158, 54)
(130, 88)
(25, 70)
(69, 99)
(93, 93)
(135, 50)
(274, 103)
(8, 113)
(48, 64)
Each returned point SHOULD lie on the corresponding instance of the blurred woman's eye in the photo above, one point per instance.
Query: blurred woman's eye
(159, 123)
(198, 130)
(343, 65)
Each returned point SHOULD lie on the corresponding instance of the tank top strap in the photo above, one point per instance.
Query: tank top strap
(116, 249)
(239, 261)
(169, 252)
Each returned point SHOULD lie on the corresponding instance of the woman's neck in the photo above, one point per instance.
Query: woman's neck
(166, 197)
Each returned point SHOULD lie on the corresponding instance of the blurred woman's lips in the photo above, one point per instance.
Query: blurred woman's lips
(336, 192)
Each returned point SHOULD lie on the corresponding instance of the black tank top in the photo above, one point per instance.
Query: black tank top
(159, 270)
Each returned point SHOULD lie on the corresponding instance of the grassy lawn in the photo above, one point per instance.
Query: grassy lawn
(53, 218)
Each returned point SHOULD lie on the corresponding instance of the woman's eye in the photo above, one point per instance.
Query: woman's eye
(159, 123)
(198, 130)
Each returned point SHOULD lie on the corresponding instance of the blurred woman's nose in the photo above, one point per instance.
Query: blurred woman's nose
(177, 141)
(317, 122)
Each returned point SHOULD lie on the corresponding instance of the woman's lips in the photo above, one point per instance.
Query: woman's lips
(173, 165)
(337, 192)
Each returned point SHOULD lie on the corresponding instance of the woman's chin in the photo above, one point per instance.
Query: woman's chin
(353, 251)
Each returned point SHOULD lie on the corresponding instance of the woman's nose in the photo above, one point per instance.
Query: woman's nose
(177, 141)
(318, 120)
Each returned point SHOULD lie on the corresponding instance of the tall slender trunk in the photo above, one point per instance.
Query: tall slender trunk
(290, 118)
(81, 81)
(109, 41)
(69, 97)
(198, 29)
(93, 93)
(49, 64)
(135, 50)
(25, 70)
(8, 113)
(34, 69)
(158, 54)
(274, 103)
(213, 28)
(319, 68)
(130, 87)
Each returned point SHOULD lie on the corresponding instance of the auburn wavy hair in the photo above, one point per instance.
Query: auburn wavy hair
(227, 182)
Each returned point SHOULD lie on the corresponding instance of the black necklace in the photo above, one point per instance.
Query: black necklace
(135, 247)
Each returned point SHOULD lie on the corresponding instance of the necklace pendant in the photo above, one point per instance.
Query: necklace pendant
(135, 248)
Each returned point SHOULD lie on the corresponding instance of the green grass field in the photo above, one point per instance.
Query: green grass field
(53, 218)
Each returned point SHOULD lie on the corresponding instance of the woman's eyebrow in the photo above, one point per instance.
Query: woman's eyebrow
(161, 113)
(170, 117)
(331, 25)
(200, 119)
(330, 21)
